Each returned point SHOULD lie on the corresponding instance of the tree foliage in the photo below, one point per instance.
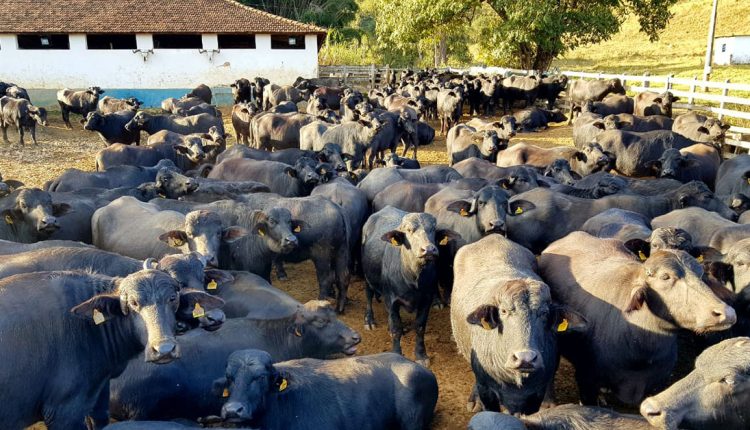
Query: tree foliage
(325, 13)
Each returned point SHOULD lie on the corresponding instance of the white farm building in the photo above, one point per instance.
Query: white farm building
(731, 50)
(150, 49)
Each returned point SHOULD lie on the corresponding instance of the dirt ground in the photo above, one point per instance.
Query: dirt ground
(60, 149)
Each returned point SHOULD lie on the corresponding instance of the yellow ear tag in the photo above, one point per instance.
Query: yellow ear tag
(8, 220)
(261, 232)
(463, 212)
(642, 256)
(444, 241)
(283, 385)
(504, 185)
(198, 311)
(700, 258)
(175, 243)
(394, 242)
(485, 324)
(162, 196)
(518, 211)
(297, 229)
(563, 326)
(212, 285)
(297, 332)
(98, 317)
(748, 180)
(225, 393)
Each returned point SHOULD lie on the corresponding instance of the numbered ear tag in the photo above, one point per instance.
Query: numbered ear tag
(642, 256)
(444, 241)
(700, 258)
(284, 384)
(162, 196)
(504, 185)
(175, 243)
(98, 317)
(212, 285)
(297, 332)
(563, 326)
(198, 311)
(225, 393)
(261, 232)
(8, 220)
(748, 180)
(485, 324)
(394, 242)
(518, 211)
(463, 212)
(297, 229)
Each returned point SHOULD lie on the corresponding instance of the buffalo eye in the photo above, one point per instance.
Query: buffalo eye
(504, 312)
(665, 277)
(173, 298)
(134, 303)
(727, 380)
(22, 205)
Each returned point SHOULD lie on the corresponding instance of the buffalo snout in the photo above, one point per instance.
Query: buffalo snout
(429, 252)
(656, 415)
(163, 351)
(719, 318)
(496, 226)
(235, 411)
(48, 223)
(525, 361)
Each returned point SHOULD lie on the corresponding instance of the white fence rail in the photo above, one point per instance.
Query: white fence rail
(694, 93)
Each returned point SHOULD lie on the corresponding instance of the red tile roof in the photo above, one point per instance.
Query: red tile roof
(143, 16)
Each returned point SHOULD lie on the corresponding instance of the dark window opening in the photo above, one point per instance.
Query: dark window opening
(236, 41)
(111, 41)
(723, 47)
(43, 41)
(288, 41)
(178, 41)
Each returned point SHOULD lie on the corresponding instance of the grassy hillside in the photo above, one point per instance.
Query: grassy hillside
(680, 50)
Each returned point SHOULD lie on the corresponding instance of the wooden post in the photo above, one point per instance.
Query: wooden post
(624, 82)
(724, 93)
(668, 83)
(345, 72)
(387, 74)
(646, 83)
(372, 76)
(692, 93)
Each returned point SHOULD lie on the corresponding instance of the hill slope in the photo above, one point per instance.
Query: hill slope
(680, 49)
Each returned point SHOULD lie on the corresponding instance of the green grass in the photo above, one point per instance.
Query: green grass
(679, 51)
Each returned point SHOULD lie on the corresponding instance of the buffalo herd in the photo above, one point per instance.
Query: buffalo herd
(140, 293)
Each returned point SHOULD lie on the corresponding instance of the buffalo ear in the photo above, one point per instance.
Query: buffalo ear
(485, 316)
(703, 130)
(13, 184)
(461, 207)
(190, 298)
(598, 124)
(182, 149)
(298, 225)
(60, 209)
(684, 200)
(107, 304)
(639, 247)
(221, 277)
(566, 320)
(725, 127)
(675, 98)
(444, 236)
(653, 165)
(174, 238)
(218, 386)
(657, 100)
(233, 234)
(580, 156)
(517, 207)
(637, 299)
(706, 253)
(395, 237)
(291, 172)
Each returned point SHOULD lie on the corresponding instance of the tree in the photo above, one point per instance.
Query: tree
(325, 13)
(527, 34)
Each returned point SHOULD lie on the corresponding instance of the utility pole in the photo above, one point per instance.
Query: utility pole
(710, 43)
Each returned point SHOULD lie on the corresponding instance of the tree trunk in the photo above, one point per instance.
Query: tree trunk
(441, 52)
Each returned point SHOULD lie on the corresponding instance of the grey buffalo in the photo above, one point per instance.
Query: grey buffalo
(22, 115)
(79, 102)
(649, 103)
(109, 104)
(151, 123)
(111, 127)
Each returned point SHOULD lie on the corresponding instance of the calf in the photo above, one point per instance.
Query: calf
(399, 250)
(550, 88)
(505, 325)
(632, 151)
(282, 179)
(713, 396)
(699, 162)
(378, 179)
(535, 119)
(700, 128)
(279, 131)
(581, 91)
(622, 298)
(79, 102)
(242, 114)
(76, 313)
(187, 155)
(394, 160)
(585, 161)
(115, 177)
(465, 142)
(611, 104)
(173, 185)
(140, 230)
(28, 215)
(280, 325)
(151, 124)
(649, 103)
(449, 109)
(639, 124)
(244, 91)
(111, 105)
(111, 127)
(523, 88)
(202, 92)
(22, 115)
(733, 177)
(172, 105)
(564, 417)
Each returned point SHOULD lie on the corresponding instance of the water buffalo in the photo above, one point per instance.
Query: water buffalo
(151, 124)
(524, 88)
(283, 179)
(79, 102)
(29, 215)
(621, 224)
(465, 142)
(111, 127)
(109, 104)
(699, 162)
(535, 119)
(172, 105)
(564, 417)
(632, 151)
(700, 128)
(202, 92)
(187, 154)
(242, 114)
(76, 313)
(581, 91)
(585, 161)
(22, 115)
(115, 177)
(611, 104)
(244, 91)
(623, 298)
(649, 103)
(449, 109)
(733, 177)
(378, 179)
(550, 88)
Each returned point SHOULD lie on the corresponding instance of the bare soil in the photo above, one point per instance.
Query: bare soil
(60, 149)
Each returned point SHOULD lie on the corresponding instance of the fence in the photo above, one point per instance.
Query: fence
(692, 91)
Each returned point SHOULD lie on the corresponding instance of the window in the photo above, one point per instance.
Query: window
(43, 41)
(288, 41)
(236, 41)
(723, 47)
(178, 41)
(111, 41)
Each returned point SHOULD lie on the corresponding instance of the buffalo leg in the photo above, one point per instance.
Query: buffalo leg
(65, 115)
(33, 134)
(395, 325)
(278, 265)
(100, 414)
(325, 275)
(20, 134)
(5, 134)
(342, 266)
(488, 398)
(420, 352)
(369, 316)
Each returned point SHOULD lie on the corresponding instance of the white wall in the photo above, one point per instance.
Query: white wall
(737, 50)
(165, 68)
